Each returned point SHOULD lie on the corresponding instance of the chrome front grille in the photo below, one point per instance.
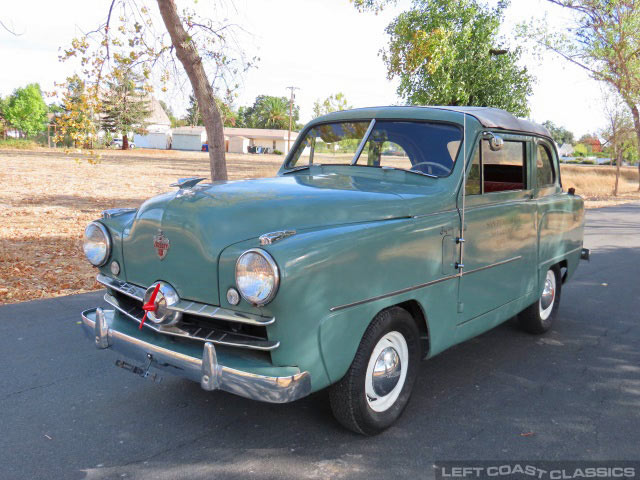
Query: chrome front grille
(200, 322)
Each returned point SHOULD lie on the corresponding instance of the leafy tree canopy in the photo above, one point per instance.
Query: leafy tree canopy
(333, 103)
(77, 123)
(26, 110)
(602, 37)
(559, 134)
(448, 52)
(194, 117)
(268, 112)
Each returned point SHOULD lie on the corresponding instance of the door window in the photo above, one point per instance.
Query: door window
(505, 169)
(544, 167)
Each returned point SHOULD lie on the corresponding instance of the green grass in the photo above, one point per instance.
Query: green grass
(18, 143)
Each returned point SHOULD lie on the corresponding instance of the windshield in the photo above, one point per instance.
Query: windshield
(420, 147)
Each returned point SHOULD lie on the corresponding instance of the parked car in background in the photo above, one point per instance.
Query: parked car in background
(117, 143)
(388, 235)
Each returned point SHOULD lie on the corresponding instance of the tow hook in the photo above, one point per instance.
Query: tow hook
(140, 371)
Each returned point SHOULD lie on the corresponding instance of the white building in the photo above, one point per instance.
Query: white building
(188, 138)
(237, 140)
(158, 129)
(565, 150)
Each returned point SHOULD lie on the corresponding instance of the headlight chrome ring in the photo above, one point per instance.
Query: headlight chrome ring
(254, 290)
(88, 233)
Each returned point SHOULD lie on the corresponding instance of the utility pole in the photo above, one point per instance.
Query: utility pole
(290, 115)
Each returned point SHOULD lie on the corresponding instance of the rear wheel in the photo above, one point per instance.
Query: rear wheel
(377, 386)
(538, 318)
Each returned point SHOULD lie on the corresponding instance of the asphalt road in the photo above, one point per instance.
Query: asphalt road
(66, 412)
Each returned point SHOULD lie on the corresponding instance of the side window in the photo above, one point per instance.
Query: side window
(474, 182)
(544, 167)
(505, 169)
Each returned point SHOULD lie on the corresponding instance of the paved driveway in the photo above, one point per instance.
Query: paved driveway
(66, 412)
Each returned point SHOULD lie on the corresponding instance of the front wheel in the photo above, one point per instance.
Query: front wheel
(376, 388)
(538, 318)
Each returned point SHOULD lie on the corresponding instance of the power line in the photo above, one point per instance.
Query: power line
(293, 89)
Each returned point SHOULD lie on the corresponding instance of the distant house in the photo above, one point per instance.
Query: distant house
(158, 129)
(188, 138)
(565, 150)
(237, 140)
(594, 143)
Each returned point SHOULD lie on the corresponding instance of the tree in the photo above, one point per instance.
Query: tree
(193, 117)
(26, 110)
(448, 52)
(268, 112)
(603, 38)
(560, 135)
(125, 106)
(80, 107)
(131, 36)
(333, 103)
(617, 132)
(167, 109)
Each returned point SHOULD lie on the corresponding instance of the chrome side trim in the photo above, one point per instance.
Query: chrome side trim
(391, 294)
(187, 306)
(245, 384)
(497, 264)
(203, 334)
(422, 285)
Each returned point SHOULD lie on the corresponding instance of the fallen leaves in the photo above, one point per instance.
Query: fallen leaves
(47, 199)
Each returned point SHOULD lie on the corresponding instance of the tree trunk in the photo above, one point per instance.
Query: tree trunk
(636, 124)
(192, 63)
(125, 142)
(618, 155)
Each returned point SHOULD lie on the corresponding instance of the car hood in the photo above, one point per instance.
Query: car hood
(200, 223)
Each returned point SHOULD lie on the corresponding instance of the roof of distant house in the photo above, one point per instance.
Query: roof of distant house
(158, 115)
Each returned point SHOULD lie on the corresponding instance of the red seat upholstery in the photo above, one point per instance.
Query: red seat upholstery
(502, 186)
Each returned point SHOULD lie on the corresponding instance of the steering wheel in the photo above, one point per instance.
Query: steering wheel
(443, 170)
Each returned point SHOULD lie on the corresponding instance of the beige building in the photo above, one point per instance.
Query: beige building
(237, 140)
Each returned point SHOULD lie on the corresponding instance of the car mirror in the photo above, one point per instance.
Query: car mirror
(495, 142)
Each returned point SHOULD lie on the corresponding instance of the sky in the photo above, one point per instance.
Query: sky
(319, 46)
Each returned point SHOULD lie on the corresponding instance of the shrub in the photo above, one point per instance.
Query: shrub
(588, 161)
(277, 152)
(19, 143)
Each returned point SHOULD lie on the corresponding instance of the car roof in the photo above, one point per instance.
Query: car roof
(487, 116)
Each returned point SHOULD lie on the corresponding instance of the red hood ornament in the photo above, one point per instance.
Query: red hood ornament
(161, 244)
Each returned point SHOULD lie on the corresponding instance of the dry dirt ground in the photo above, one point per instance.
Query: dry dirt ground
(48, 197)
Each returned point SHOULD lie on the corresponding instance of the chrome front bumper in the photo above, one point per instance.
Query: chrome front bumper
(97, 324)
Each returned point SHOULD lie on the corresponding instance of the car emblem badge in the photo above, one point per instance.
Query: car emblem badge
(161, 244)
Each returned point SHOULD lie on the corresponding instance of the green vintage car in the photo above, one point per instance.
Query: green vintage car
(371, 250)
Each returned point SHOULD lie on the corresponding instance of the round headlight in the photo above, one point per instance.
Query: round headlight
(97, 244)
(257, 276)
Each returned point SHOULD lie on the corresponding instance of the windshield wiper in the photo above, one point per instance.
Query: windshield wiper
(386, 167)
(297, 169)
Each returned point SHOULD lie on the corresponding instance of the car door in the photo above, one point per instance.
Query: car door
(499, 254)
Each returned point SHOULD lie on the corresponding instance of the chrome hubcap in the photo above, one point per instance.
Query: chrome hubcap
(548, 295)
(386, 371)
